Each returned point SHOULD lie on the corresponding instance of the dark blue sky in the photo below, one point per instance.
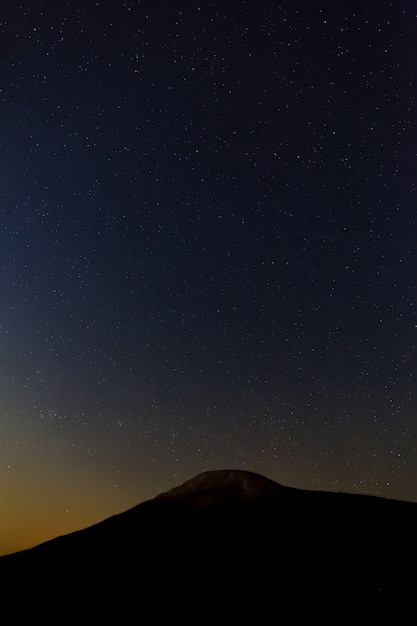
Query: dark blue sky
(207, 250)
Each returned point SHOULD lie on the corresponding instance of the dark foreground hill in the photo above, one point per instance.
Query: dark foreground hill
(232, 542)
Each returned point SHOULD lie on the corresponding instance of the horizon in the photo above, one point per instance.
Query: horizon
(93, 522)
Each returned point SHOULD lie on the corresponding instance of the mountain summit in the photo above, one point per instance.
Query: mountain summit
(215, 487)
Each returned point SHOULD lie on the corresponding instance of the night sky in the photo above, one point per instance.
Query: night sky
(207, 251)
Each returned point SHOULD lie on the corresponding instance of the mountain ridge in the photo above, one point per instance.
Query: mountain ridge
(214, 489)
(233, 527)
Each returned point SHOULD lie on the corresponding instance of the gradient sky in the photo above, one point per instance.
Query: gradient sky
(207, 251)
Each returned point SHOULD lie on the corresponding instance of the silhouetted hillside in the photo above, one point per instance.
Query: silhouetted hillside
(232, 539)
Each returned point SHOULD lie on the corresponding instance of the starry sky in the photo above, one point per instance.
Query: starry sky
(207, 251)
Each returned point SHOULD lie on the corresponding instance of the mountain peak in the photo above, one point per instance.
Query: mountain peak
(238, 485)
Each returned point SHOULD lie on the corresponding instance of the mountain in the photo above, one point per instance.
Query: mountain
(229, 541)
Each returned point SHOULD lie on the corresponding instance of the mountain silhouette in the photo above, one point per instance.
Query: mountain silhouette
(227, 540)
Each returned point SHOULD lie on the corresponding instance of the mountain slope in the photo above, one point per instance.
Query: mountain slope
(228, 532)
